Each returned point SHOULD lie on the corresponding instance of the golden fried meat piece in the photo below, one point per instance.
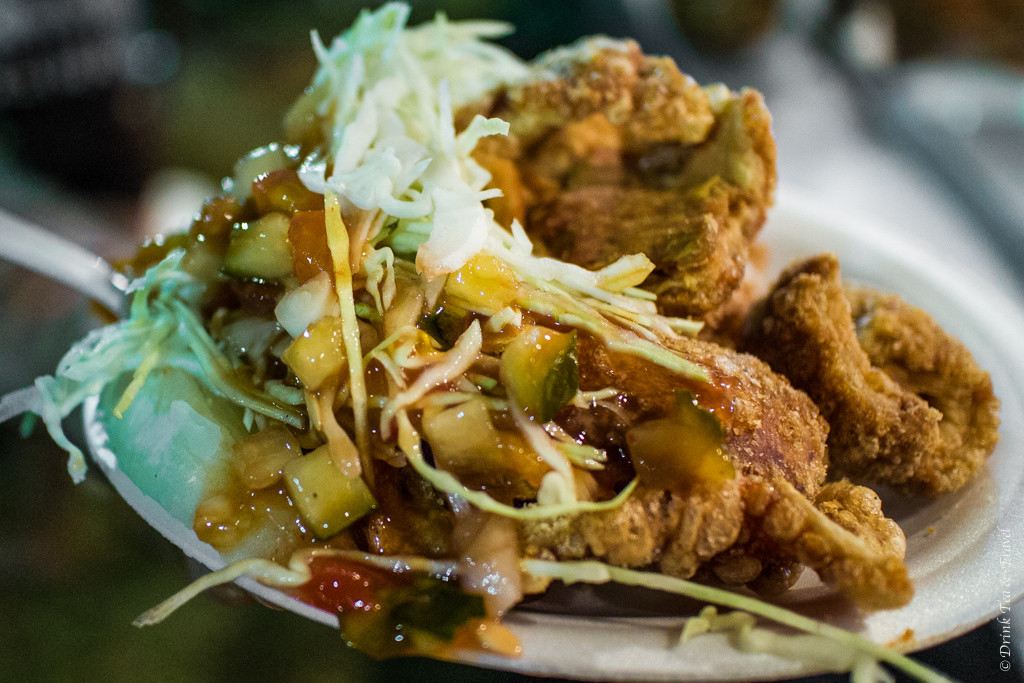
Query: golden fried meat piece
(699, 256)
(878, 431)
(756, 529)
(910, 347)
(614, 152)
(724, 325)
(770, 429)
(844, 536)
(881, 429)
(647, 98)
(858, 509)
(750, 532)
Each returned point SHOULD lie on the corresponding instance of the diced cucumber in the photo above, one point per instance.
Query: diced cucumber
(257, 163)
(260, 249)
(318, 353)
(282, 190)
(444, 325)
(539, 371)
(465, 442)
(326, 498)
(463, 437)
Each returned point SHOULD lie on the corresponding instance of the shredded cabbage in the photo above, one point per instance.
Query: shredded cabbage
(452, 365)
(380, 277)
(307, 303)
(598, 572)
(163, 329)
(296, 573)
(386, 95)
(815, 649)
(338, 242)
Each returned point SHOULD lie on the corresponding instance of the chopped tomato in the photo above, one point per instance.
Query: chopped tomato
(339, 585)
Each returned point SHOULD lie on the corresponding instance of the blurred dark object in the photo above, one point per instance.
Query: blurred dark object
(84, 142)
(243, 62)
(969, 29)
(74, 80)
(961, 30)
(723, 26)
(961, 116)
(991, 30)
(98, 95)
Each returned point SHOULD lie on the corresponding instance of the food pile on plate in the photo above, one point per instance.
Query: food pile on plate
(476, 324)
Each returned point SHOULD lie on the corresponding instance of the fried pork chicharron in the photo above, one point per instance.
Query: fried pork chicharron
(613, 152)
(907, 344)
(756, 529)
(906, 403)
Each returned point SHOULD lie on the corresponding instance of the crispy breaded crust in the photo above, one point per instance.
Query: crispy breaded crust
(648, 98)
(614, 152)
(846, 539)
(910, 347)
(751, 532)
(771, 429)
(882, 430)
(803, 329)
(698, 248)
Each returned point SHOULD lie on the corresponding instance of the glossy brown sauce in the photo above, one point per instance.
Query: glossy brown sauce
(233, 514)
(649, 389)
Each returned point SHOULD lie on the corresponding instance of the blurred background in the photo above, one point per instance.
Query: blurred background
(118, 116)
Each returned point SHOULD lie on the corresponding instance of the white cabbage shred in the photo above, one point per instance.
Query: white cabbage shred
(388, 96)
(163, 329)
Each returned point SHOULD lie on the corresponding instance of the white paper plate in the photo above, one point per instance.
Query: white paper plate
(965, 551)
